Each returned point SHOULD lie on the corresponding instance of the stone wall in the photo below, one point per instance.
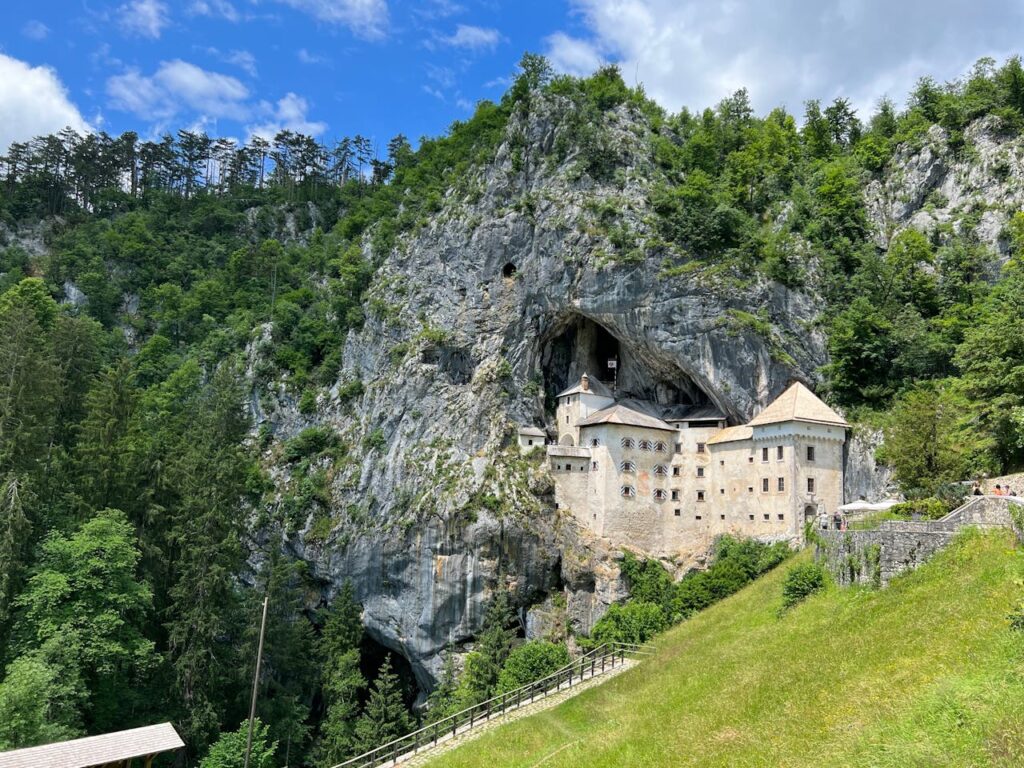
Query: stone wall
(874, 557)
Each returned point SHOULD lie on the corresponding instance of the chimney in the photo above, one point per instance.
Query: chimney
(585, 383)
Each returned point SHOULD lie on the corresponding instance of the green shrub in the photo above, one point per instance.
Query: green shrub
(309, 442)
(634, 622)
(802, 581)
(929, 509)
(307, 403)
(375, 440)
(531, 661)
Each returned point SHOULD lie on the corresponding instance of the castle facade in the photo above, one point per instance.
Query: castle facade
(666, 481)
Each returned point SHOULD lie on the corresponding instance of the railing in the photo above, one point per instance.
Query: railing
(589, 665)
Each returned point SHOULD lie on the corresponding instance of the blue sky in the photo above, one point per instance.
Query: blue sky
(380, 67)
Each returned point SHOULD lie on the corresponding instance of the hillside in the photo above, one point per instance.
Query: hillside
(923, 673)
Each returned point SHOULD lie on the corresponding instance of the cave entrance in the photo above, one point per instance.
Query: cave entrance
(372, 655)
(578, 345)
(509, 270)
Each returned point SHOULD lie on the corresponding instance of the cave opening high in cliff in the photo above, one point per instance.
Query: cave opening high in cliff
(576, 345)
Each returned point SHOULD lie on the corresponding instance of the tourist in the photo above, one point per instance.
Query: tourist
(837, 521)
(1009, 492)
(977, 489)
(998, 491)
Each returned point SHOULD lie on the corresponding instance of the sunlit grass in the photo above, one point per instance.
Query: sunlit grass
(924, 673)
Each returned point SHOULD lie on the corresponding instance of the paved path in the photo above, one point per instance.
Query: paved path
(526, 709)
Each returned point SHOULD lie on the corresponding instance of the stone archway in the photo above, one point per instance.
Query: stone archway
(567, 440)
(810, 512)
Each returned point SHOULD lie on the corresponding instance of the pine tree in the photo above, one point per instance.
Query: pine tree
(483, 666)
(342, 680)
(443, 700)
(15, 529)
(385, 717)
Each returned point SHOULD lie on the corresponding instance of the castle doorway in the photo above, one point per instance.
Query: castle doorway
(567, 440)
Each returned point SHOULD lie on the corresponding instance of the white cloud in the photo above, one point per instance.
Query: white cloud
(572, 55)
(310, 58)
(366, 18)
(693, 53)
(214, 8)
(288, 114)
(473, 38)
(35, 30)
(244, 60)
(178, 86)
(143, 18)
(33, 102)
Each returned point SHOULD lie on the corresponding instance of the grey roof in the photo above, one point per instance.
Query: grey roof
(620, 413)
(693, 413)
(597, 387)
(96, 750)
(532, 431)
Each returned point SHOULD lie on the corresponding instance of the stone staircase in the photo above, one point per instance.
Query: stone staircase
(873, 557)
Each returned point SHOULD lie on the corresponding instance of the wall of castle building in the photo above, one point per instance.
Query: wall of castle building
(572, 409)
(638, 518)
(705, 490)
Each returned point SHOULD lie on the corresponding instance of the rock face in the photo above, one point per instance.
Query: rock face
(512, 290)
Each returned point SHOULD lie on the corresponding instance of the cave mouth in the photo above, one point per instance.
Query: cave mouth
(372, 655)
(577, 345)
(509, 270)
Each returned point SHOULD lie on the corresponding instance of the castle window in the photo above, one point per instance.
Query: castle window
(660, 447)
(659, 494)
(721, 462)
(627, 466)
(568, 467)
(782, 484)
(628, 491)
(764, 485)
(750, 459)
(810, 453)
(750, 516)
(721, 491)
(700, 495)
(701, 447)
(675, 495)
(529, 442)
(593, 466)
(766, 517)
(645, 445)
(700, 471)
(628, 442)
(779, 453)
(697, 517)
(764, 454)
(782, 516)
(678, 512)
(679, 447)
(750, 489)
(594, 442)
(721, 517)
(810, 485)
(675, 471)
(661, 470)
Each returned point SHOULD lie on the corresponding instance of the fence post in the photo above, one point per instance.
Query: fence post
(435, 732)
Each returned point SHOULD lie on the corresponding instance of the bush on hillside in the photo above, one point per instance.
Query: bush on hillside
(1016, 617)
(801, 582)
(634, 622)
(531, 661)
(927, 509)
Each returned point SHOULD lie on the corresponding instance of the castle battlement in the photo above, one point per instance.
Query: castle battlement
(669, 480)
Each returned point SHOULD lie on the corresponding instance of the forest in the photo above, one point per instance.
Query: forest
(139, 530)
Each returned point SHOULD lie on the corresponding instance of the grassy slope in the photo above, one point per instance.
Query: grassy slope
(924, 673)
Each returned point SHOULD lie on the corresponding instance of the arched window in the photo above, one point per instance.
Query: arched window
(628, 491)
(659, 494)
(628, 442)
(645, 445)
(661, 470)
(660, 447)
(594, 442)
(627, 466)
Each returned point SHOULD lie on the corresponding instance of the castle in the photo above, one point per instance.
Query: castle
(667, 480)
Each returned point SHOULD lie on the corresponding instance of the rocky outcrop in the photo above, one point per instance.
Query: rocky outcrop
(935, 186)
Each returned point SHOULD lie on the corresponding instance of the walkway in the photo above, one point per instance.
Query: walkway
(524, 710)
